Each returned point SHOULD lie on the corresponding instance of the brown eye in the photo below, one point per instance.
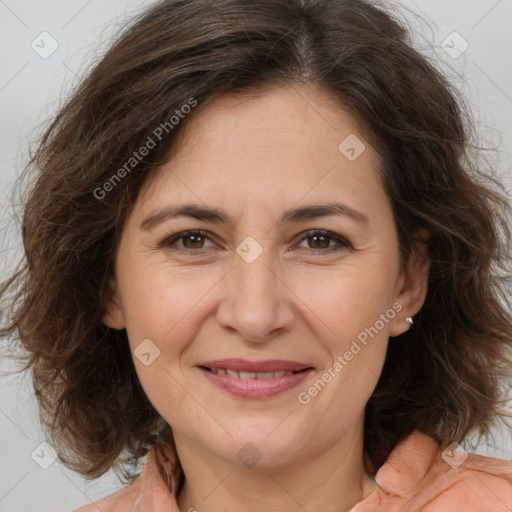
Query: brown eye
(196, 241)
(191, 241)
(321, 240)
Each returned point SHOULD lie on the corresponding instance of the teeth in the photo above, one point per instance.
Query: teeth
(247, 375)
(251, 375)
(266, 375)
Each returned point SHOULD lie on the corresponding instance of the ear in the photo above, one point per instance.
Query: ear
(113, 313)
(411, 289)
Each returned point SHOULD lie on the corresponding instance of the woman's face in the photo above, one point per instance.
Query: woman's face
(258, 285)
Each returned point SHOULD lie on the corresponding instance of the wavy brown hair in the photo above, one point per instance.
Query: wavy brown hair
(444, 376)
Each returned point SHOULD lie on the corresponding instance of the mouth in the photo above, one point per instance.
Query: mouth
(244, 365)
(250, 375)
(254, 379)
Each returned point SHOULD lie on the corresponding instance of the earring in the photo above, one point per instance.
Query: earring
(409, 320)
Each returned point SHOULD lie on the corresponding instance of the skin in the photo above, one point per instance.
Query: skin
(256, 158)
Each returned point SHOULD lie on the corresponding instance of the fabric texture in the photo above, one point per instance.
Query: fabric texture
(414, 478)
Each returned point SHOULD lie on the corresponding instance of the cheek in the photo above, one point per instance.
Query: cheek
(159, 300)
(353, 311)
(348, 301)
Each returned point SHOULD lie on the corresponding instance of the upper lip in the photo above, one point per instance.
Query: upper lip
(244, 365)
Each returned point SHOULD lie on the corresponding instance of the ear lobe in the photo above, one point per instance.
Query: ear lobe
(112, 312)
(413, 282)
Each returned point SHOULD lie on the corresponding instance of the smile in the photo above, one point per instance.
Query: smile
(255, 385)
(250, 375)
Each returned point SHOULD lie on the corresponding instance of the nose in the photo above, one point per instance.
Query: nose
(256, 301)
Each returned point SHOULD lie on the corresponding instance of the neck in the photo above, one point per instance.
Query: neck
(331, 480)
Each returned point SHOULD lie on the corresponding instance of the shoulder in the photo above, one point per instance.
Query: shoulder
(146, 493)
(120, 501)
(421, 478)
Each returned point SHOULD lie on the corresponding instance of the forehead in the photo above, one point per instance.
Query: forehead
(292, 142)
(293, 119)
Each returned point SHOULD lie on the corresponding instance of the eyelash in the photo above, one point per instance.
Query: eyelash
(170, 241)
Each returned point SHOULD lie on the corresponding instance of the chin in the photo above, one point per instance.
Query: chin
(261, 444)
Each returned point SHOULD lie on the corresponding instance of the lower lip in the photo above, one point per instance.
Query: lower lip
(256, 388)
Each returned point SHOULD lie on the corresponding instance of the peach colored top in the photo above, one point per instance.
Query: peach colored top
(416, 477)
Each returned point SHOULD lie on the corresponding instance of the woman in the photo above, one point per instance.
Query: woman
(259, 252)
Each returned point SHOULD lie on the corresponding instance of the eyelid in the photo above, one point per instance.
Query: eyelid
(343, 243)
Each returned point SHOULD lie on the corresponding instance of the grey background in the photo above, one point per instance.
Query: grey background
(31, 88)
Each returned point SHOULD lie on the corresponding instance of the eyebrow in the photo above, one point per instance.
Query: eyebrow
(216, 215)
